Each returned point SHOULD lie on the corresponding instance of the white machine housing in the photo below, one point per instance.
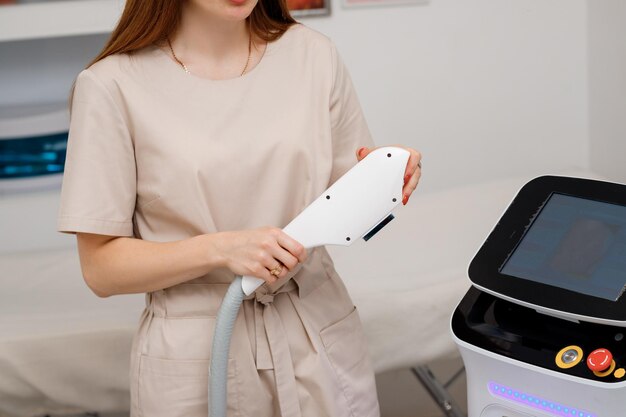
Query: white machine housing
(530, 309)
(593, 399)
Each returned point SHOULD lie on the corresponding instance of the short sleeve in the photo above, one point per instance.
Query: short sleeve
(349, 129)
(99, 181)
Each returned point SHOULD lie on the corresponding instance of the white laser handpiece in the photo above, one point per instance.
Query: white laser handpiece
(357, 205)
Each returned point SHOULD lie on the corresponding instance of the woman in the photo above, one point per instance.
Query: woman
(201, 123)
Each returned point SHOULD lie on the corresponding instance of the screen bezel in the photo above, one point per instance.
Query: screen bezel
(484, 270)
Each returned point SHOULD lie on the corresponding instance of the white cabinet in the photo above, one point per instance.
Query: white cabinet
(50, 19)
(43, 47)
(45, 44)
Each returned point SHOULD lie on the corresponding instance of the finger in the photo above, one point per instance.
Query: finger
(411, 181)
(292, 246)
(412, 164)
(285, 258)
(269, 277)
(412, 177)
(362, 153)
(278, 270)
(411, 185)
(261, 271)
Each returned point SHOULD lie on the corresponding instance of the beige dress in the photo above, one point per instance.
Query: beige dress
(162, 155)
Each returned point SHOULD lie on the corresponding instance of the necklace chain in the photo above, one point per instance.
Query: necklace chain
(187, 70)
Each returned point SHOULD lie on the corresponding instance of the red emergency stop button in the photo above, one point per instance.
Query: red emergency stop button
(599, 360)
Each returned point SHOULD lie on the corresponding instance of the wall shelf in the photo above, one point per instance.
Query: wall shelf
(52, 19)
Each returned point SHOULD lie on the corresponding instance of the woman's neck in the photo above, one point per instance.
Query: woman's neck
(214, 41)
(201, 34)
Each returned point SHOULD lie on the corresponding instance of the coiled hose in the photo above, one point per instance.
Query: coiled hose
(218, 370)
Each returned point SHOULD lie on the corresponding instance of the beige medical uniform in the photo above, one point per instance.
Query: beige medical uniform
(162, 155)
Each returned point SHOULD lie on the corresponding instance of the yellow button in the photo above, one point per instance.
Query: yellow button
(607, 372)
(620, 373)
(568, 357)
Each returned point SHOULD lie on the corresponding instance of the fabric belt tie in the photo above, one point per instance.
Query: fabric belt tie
(272, 348)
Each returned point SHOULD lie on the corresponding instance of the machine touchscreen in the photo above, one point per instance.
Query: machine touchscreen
(560, 246)
(576, 244)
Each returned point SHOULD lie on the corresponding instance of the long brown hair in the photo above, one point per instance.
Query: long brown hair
(144, 22)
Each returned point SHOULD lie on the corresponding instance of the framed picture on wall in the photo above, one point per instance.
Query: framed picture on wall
(300, 8)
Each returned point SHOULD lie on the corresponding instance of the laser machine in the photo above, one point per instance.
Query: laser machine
(542, 329)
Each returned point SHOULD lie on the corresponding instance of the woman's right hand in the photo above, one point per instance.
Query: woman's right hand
(256, 252)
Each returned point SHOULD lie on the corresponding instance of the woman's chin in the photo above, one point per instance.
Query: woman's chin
(238, 9)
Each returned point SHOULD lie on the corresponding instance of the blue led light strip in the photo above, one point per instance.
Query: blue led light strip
(538, 403)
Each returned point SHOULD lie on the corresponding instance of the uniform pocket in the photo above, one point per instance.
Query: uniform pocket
(179, 388)
(346, 348)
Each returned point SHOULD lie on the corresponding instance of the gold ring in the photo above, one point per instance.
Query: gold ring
(277, 270)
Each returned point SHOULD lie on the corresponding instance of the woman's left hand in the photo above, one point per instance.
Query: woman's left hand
(412, 173)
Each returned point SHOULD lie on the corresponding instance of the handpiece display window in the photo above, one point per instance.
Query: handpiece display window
(575, 244)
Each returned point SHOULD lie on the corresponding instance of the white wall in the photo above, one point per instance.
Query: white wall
(42, 70)
(607, 87)
(484, 88)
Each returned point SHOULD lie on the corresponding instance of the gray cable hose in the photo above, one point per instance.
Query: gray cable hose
(218, 370)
